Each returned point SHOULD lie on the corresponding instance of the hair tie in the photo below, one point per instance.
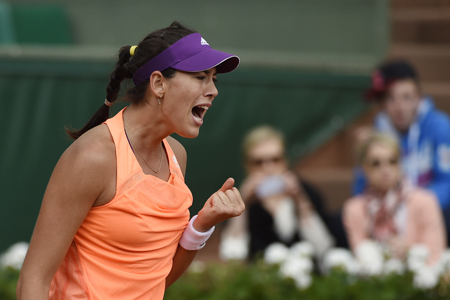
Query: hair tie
(132, 50)
(107, 103)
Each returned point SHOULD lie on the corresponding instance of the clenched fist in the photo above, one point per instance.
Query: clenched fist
(224, 204)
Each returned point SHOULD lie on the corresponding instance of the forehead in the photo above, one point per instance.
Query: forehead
(379, 149)
(268, 147)
(208, 71)
(212, 71)
(403, 85)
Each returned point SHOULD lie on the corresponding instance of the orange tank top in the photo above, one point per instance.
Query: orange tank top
(124, 249)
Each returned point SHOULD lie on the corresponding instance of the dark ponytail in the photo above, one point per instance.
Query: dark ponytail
(149, 47)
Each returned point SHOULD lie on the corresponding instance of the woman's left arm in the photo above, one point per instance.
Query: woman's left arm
(224, 204)
(181, 261)
(430, 224)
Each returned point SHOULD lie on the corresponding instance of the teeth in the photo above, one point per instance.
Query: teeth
(199, 118)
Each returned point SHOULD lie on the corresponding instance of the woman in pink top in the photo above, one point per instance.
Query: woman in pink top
(391, 210)
(114, 222)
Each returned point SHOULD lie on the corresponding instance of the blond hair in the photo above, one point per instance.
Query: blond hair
(258, 135)
(375, 138)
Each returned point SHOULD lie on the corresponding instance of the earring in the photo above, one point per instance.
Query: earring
(159, 100)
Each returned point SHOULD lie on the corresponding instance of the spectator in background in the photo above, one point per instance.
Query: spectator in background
(422, 131)
(391, 210)
(280, 207)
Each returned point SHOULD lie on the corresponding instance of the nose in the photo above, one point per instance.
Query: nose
(268, 167)
(212, 90)
(385, 172)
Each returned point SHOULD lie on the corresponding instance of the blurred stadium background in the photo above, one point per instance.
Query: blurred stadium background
(304, 67)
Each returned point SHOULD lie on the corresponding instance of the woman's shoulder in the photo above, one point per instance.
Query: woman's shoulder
(95, 147)
(355, 200)
(88, 163)
(421, 197)
(354, 213)
(354, 204)
(179, 151)
(177, 147)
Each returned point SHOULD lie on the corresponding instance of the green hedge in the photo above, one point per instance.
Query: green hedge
(260, 281)
(263, 282)
(8, 282)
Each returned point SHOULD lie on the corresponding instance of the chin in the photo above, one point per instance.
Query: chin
(189, 134)
(402, 126)
(386, 187)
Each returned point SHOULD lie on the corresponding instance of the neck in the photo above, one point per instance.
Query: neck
(380, 192)
(403, 131)
(146, 126)
(384, 191)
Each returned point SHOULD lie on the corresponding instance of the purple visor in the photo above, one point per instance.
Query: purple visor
(190, 54)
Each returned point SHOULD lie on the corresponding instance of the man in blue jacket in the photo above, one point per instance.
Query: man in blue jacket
(422, 130)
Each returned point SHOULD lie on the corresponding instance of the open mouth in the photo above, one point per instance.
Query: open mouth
(198, 112)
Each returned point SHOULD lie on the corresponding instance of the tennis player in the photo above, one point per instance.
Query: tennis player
(114, 221)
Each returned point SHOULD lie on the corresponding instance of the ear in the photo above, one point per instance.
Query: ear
(156, 83)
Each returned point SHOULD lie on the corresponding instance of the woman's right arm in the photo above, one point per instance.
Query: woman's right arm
(81, 176)
(355, 222)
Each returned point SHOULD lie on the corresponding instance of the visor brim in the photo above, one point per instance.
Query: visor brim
(207, 59)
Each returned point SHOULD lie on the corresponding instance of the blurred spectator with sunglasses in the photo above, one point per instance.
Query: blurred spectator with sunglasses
(422, 131)
(280, 207)
(391, 210)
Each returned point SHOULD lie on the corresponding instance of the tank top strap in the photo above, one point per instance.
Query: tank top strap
(126, 164)
(173, 162)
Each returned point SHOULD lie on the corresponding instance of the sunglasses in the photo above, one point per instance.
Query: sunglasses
(376, 163)
(262, 161)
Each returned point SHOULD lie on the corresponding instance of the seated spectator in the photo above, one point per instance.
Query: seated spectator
(422, 131)
(391, 210)
(280, 207)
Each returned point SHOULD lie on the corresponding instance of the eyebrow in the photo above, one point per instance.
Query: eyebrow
(208, 71)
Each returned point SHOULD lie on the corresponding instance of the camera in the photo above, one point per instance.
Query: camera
(270, 186)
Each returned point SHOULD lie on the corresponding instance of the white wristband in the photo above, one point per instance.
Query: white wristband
(192, 239)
